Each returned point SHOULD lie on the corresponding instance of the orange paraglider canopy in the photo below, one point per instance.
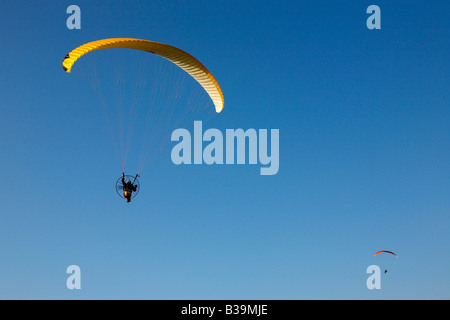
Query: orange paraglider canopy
(385, 252)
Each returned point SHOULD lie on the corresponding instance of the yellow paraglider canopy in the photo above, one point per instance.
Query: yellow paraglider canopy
(182, 59)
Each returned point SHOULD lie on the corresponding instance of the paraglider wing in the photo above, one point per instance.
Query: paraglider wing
(182, 59)
(385, 252)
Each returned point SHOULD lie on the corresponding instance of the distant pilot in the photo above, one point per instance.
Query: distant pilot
(128, 188)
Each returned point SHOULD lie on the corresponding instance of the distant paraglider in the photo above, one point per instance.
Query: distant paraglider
(385, 251)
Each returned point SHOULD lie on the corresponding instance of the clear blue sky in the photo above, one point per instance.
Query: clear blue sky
(364, 124)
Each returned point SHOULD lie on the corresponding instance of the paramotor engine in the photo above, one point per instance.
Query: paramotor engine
(123, 189)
